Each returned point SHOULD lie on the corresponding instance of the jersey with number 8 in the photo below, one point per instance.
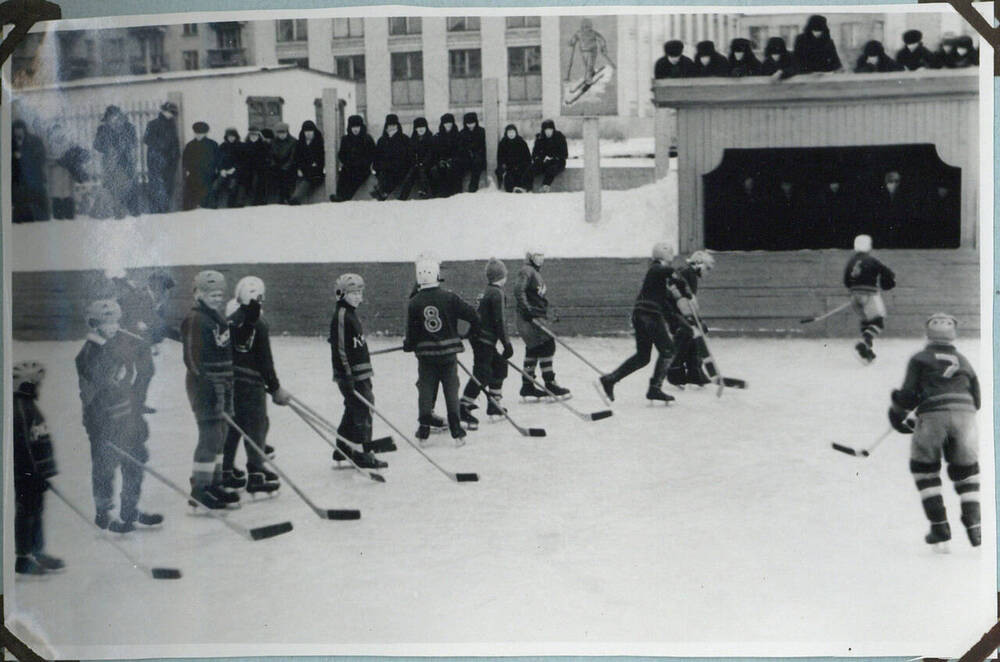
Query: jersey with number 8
(940, 378)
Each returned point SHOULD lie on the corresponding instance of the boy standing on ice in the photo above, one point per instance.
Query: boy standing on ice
(943, 390)
(432, 334)
(540, 347)
(864, 276)
(489, 366)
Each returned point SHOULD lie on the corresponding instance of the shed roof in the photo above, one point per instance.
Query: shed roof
(179, 75)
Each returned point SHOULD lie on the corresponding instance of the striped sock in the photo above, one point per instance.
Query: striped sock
(927, 477)
(966, 480)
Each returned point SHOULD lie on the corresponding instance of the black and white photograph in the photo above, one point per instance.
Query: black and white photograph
(566, 330)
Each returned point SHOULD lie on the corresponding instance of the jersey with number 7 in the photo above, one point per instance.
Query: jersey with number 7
(940, 378)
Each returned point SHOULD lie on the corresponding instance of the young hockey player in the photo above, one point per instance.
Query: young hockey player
(689, 367)
(529, 292)
(209, 384)
(942, 389)
(107, 367)
(489, 366)
(352, 370)
(432, 334)
(253, 378)
(650, 324)
(864, 276)
(34, 464)
(434, 422)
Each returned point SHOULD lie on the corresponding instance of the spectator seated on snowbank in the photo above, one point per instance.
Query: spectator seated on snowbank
(548, 155)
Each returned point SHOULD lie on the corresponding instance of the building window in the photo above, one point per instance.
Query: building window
(465, 72)
(190, 60)
(524, 21)
(292, 30)
(524, 73)
(351, 67)
(788, 33)
(463, 24)
(348, 28)
(297, 61)
(190, 29)
(407, 79)
(230, 36)
(113, 54)
(401, 25)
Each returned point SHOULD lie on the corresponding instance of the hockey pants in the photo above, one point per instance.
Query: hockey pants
(650, 331)
(356, 422)
(250, 413)
(431, 373)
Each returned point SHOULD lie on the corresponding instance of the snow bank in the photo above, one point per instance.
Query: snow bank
(464, 227)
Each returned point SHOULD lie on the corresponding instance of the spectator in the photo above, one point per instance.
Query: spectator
(392, 158)
(548, 155)
(199, 161)
(789, 220)
(65, 166)
(674, 64)
(708, 62)
(356, 153)
(741, 230)
(254, 168)
(421, 153)
(873, 59)
(742, 61)
(226, 187)
(117, 143)
(945, 53)
(283, 163)
(914, 55)
(446, 168)
(892, 213)
(310, 163)
(163, 155)
(939, 217)
(778, 62)
(513, 162)
(966, 54)
(834, 215)
(814, 49)
(30, 199)
(472, 139)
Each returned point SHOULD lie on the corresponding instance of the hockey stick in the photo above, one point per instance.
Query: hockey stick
(155, 573)
(525, 432)
(378, 478)
(322, 513)
(862, 452)
(457, 477)
(719, 379)
(386, 350)
(568, 348)
(258, 533)
(380, 445)
(810, 320)
(595, 416)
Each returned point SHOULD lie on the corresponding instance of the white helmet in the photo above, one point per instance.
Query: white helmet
(703, 259)
(28, 371)
(941, 327)
(428, 272)
(663, 251)
(532, 253)
(232, 306)
(863, 243)
(249, 289)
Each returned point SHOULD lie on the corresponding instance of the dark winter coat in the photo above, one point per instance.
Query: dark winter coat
(892, 218)
(255, 160)
(971, 57)
(816, 53)
(512, 154)
(163, 147)
(716, 64)
(357, 152)
(473, 146)
(392, 154)
(874, 49)
(554, 147)
(684, 68)
(785, 63)
(748, 64)
(200, 160)
(422, 148)
(310, 158)
(283, 155)
(446, 144)
(919, 58)
(230, 154)
(33, 456)
(28, 162)
(117, 144)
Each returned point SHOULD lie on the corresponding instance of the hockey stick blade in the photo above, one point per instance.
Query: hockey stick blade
(165, 573)
(536, 432)
(342, 514)
(270, 531)
(848, 450)
(598, 415)
(467, 478)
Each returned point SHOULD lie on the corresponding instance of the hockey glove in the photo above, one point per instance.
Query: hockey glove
(281, 397)
(903, 400)
(900, 422)
(508, 350)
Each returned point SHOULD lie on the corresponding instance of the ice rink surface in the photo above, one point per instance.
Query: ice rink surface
(716, 525)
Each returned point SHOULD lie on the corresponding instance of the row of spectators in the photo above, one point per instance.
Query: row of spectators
(814, 51)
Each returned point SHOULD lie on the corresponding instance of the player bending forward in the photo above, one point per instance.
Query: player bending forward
(864, 276)
(253, 378)
(432, 334)
(352, 370)
(490, 366)
(540, 347)
(943, 390)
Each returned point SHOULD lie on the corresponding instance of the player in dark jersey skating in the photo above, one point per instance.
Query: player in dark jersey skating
(432, 334)
(540, 347)
(942, 389)
(690, 364)
(865, 276)
(490, 366)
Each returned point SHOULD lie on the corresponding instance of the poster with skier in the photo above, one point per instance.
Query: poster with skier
(588, 53)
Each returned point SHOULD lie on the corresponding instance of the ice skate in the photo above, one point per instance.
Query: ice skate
(121, 526)
(557, 391)
(25, 565)
(368, 461)
(546, 188)
(49, 563)
(423, 434)
(102, 519)
(269, 451)
(971, 520)
(864, 353)
(459, 437)
(224, 496)
(231, 481)
(938, 537)
(201, 496)
(529, 390)
(493, 410)
(606, 385)
(145, 519)
(655, 394)
(471, 422)
(257, 483)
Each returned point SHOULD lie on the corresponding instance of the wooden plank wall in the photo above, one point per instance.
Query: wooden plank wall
(748, 293)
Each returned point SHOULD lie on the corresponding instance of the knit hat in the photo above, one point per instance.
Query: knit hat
(941, 327)
(912, 37)
(169, 107)
(674, 47)
(863, 243)
(283, 126)
(200, 127)
(110, 112)
(495, 270)
(209, 281)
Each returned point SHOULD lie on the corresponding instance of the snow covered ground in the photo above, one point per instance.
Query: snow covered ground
(716, 526)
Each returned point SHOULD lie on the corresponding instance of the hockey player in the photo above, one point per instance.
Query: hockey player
(209, 384)
(489, 366)
(253, 378)
(540, 347)
(942, 389)
(865, 276)
(34, 464)
(432, 334)
(107, 368)
(352, 370)
(688, 366)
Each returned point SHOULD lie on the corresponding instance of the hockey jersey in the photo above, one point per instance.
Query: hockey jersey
(142, 315)
(661, 288)
(940, 378)
(33, 456)
(253, 363)
(865, 273)
(348, 347)
(106, 369)
(491, 316)
(529, 292)
(208, 352)
(432, 323)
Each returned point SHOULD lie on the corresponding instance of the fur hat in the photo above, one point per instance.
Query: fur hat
(447, 117)
(674, 48)
(420, 122)
(169, 107)
(200, 127)
(548, 124)
(775, 45)
(283, 126)
(816, 22)
(706, 47)
(470, 118)
(873, 49)
(391, 118)
(495, 270)
(912, 37)
(355, 120)
(740, 44)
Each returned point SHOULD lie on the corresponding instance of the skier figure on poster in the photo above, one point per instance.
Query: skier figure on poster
(591, 44)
